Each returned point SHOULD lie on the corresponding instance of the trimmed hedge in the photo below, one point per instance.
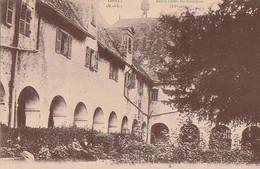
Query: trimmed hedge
(119, 148)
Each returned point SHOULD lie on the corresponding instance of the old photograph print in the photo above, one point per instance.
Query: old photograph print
(130, 84)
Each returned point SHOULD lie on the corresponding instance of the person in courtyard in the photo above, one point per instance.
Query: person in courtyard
(44, 152)
(21, 151)
(77, 149)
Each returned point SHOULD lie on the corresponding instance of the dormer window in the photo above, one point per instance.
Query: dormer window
(130, 45)
(124, 42)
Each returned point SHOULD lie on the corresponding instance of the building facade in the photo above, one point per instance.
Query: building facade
(61, 66)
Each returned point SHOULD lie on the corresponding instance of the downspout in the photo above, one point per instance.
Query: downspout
(149, 115)
(12, 82)
(38, 32)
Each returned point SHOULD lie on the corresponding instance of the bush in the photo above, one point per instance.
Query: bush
(118, 147)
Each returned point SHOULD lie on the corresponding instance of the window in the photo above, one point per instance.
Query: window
(88, 57)
(25, 20)
(154, 95)
(92, 58)
(124, 42)
(9, 12)
(63, 43)
(130, 80)
(140, 87)
(113, 73)
(130, 41)
(93, 20)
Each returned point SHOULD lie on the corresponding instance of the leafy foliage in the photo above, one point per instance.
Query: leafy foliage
(214, 62)
(117, 147)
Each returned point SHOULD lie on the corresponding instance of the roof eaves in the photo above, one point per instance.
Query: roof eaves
(68, 20)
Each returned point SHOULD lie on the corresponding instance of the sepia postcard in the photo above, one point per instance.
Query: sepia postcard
(129, 84)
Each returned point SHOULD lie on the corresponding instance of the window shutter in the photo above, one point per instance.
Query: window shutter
(69, 47)
(27, 22)
(133, 80)
(58, 40)
(127, 80)
(116, 72)
(96, 60)
(92, 59)
(22, 19)
(111, 71)
(87, 57)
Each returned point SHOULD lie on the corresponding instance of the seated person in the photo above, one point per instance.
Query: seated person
(77, 149)
(23, 153)
(44, 153)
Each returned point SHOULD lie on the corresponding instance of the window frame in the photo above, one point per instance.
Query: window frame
(91, 59)
(113, 72)
(140, 87)
(63, 38)
(25, 20)
(130, 44)
(7, 12)
(93, 17)
(153, 96)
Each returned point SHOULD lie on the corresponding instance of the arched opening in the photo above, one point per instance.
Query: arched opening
(159, 133)
(190, 135)
(124, 126)
(98, 120)
(2, 101)
(112, 123)
(80, 115)
(58, 113)
(28, 111)
(135, 127)
(251, 138)
(144, 129)
(220, 138)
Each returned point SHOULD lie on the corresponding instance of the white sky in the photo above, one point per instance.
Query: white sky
(131, 8)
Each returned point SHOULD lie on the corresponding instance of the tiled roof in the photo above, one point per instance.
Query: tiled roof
(67, 11)
(132, 22)
(142, 27)
(106, 42)
(139, 68)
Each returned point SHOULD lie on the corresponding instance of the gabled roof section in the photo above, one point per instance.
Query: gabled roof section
(65, 10)
(106, 42)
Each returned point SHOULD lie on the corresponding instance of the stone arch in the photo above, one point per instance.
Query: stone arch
(220, 137)
(190, 134)
(144, 130)
(159, 133)
(58, 112)
(112, 123)
(80, 115)
(124, 126)
(98, 120)
(135, 127)
(251, 138)
(28, 111)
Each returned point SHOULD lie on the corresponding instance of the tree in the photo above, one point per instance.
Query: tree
(215, 62)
